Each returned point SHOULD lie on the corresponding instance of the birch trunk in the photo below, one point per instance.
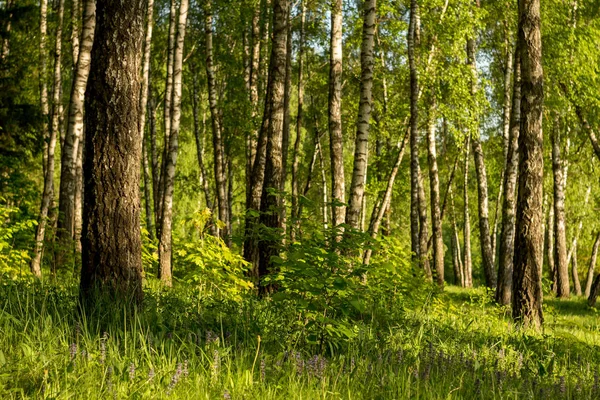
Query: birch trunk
(436, 213)
(467, 264)
(361, 147)
(43, 78)
(507, 233)
(167, 110)
(529, 239)
(48, 193)
(592, 267)
(270, 216)
(285, 140)
(560, 240)
(299, 121)
(165, 243)
(414, 143)
(218, 147)
(336, 140)
(74, 134)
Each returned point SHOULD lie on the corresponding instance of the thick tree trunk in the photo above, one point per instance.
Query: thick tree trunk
(361, 147)
(592, 267)
(529, 239)
(507, 233)
(74, 134)
(218, 146)
(560, 239)
(336, 140)
(299, 121)
(48, 193)
(112, 262)
(167, 110)
(270, 216)
(165, 242)
(436, 212)
(595, 291)
(467, 263)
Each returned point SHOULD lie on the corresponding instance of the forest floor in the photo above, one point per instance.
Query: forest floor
(455, 345)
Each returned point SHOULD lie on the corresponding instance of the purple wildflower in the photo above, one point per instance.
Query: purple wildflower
(151, 374)
(131, 371)
(73, 350)
(175, 378)
(226, 395)
(263, 368)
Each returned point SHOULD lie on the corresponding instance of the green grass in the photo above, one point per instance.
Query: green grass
(454, 345)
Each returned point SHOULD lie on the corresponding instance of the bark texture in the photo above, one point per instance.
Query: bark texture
(560, 237)
(336, 140)
(165, 242)
(361, 147)
(218, 145)
(592, 267)
(48, 193)
(270, 215)
(112, 256)
(436, 212)
(507, 233)
(74, 134)
(529, 239)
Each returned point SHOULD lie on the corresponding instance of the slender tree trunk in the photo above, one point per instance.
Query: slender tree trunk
(5, 49)
(165, 243)
(456, 257)
(323, 185)
(336, 140)
(285, 140)
(309, 177)
(265, 36)
(153, 152)
(529, 239)
(594, 292)
(270, 216)
(199, 135)
(423, 227)
(252, 135)
(48, 194)
(74, 134)
(550, 243)
(147, 188)
(575, 272)
(167, 119)
(361, 147)
(467, 264)
(436, 213)
(76, 29)
(299, 121)
(588, 128)
(592, 267)
(414, 126)
(218, 146)
(144, 95)
(43, 78)
(487, 254)
(79, 194)
(560, 239)
(379, 212)
(112, 262)
(507, 233)
(508, 86)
